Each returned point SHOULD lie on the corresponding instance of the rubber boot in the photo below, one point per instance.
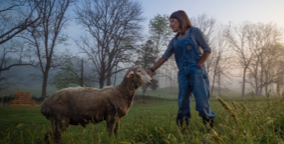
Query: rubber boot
(208, 120)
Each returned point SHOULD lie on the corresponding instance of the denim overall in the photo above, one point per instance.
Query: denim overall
(191, 78)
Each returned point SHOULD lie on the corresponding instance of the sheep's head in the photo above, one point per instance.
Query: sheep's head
(138, 76)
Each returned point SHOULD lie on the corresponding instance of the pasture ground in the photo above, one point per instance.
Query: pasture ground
(258, 120)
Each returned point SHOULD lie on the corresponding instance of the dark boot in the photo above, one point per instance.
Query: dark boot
(208, 120)
(183, 120)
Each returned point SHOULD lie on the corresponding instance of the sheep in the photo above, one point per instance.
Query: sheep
(79, 105)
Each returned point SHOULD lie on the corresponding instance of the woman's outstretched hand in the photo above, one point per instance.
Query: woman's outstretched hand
(149, 72)
(156, 66)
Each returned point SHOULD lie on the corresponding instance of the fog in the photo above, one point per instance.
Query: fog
(246, 57)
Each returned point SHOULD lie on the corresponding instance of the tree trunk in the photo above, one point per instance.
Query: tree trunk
(219, 83)
(115, 77)
(82, 74)
(109, 70)
(266, 80)
(44, 85)
(261, 83)
(207, 67)
(244, 82)
(108, 78)
(256, 77)
(101, 81)
(212, 86)
(278, 88)
(144, 89)
(215, 73)
(261, 75)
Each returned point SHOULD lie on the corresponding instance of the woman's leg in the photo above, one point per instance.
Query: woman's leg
(183, 99)
(200, 89)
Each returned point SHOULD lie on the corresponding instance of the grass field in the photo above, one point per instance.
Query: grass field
(172, 93)
(251, 121)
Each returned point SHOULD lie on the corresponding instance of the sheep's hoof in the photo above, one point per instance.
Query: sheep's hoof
(46, 138)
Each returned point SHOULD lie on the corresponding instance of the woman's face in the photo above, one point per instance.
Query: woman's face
(174, 24)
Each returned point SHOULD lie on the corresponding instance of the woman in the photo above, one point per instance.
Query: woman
(192, 76)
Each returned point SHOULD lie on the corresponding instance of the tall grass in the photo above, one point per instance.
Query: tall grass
(238, 121)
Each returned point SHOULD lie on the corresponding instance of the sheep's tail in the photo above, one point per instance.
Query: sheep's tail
(45, 108)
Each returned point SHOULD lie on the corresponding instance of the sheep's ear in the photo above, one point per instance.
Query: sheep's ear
(130, 74)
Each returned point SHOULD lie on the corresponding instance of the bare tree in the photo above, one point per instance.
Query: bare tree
(270, 68)
(17, 50)
(16, 16)
(218, 63)
(237, 38)
(276, 70)
(280, 72)
(45, 37)
(82, 73)
(13, 53)
(262, 39)
(220, 59)
(207, 25)
(5, 80)
(113, 27)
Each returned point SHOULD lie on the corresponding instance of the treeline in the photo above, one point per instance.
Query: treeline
(255, 50)
(7, 99)
(112, 41)
(31, 76)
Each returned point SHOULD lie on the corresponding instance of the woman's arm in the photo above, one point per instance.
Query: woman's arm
(203, 44)
(163, 59)
(160, 62)
(203, 58)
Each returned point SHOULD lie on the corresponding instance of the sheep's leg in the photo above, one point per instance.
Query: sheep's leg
(112, 125)
(65, 124)
(56, 131)
(116, 127)
(46, 137)
(59, 127)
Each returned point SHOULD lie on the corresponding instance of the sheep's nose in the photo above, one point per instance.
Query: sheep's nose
(150, 81)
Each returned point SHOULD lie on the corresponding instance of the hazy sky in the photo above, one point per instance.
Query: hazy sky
(224, 11)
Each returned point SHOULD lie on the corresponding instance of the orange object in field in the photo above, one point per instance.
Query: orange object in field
(22, 99)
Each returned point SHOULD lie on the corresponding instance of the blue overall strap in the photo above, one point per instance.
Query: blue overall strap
(189, 32)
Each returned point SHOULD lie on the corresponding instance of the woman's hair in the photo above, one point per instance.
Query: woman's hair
(183, 19)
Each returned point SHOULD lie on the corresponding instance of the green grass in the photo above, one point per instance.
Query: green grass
(260, 120)
(172, 93)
